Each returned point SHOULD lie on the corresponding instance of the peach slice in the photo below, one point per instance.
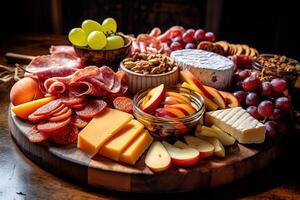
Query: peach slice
(188, 77)
(25, 109)
(153, 98)
(169, 112)
(178, 95)
(157, 157)
(218, 98)
(209, 104)
(187, 109)
(230, 99)
(205, 148)
(183, 157)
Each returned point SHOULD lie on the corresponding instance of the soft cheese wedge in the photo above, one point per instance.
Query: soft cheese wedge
(115, 146)
(238, 123)
(100, 129)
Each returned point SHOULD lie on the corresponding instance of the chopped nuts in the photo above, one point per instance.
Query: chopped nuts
(147, 63)
(275, 66)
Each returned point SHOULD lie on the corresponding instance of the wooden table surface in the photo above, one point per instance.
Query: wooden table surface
(22, 179)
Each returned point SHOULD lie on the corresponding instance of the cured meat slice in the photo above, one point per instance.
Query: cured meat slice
(70, 99)
(93, 107)
(85, 73)
(65, 135)
(35, 136)
(79, 122)
(124, 104)
(61, 117)
(49, 127)
(58, 109)
(36, 118)
(55, 65)
(63, 48)
(107, 76)
(48, 108)
(79, 105)
(56, 85)
(65, 109)
(88, 88)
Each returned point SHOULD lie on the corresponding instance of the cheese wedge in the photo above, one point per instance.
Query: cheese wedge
(113, 148)
(238, 123)
(137, 148)
(100, 129)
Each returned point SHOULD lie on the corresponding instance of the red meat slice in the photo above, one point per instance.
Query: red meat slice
(79, 122)
(36, 136)
(49, 127)
(65, 109)
(69, 99)
(93, 107)
(48, 108)
(124, 104)
(61, 117)
(63, 48)
(65, 135)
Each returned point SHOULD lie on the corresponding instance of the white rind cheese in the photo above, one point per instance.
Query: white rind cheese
(238, 123)
(210, 68)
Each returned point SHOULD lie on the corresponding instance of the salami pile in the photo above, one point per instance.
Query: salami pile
(80, 91)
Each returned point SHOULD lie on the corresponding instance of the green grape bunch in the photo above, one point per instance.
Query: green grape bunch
(97, 36)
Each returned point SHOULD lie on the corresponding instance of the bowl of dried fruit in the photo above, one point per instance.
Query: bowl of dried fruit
(147, 70)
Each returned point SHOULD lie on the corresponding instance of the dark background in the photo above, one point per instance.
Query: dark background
(270, 27)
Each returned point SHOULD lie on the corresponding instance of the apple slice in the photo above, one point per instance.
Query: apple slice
(230, 99)
(218, 98)
(219, 148)
(187, 109)
(188, 77)
(181, 145)
(157, 157)
(205, 148)
(214, 131)
(170, 100)
(209, 104)
(169, 112)
(183, 157)
(153, 98)
(178, 95)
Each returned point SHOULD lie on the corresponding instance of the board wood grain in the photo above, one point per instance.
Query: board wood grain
(72, 163)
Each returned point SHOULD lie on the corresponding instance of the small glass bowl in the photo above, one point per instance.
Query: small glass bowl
(163, 128)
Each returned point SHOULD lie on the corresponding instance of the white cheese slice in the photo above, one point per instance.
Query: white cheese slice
(238, 123)
(210, 68)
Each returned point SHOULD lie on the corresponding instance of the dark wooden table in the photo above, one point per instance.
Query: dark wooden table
(22, 179)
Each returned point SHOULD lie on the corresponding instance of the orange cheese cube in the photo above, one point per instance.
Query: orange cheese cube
(100, 129)
(137, 148)
(113, 148)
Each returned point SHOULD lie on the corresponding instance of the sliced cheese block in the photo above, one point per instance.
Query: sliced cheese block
(238, 123)
(137, 148)
(210, 68)
(113, 148)
(100, 129)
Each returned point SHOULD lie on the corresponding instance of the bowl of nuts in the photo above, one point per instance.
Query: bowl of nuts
(147, 70)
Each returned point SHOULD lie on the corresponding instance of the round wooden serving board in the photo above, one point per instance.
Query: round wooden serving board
(72, 163)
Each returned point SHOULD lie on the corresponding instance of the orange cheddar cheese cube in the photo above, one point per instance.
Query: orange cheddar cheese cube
(100, 129)
(115, 146)
(137, 148)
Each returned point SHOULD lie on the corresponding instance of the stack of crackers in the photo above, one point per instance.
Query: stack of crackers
(227, 49)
